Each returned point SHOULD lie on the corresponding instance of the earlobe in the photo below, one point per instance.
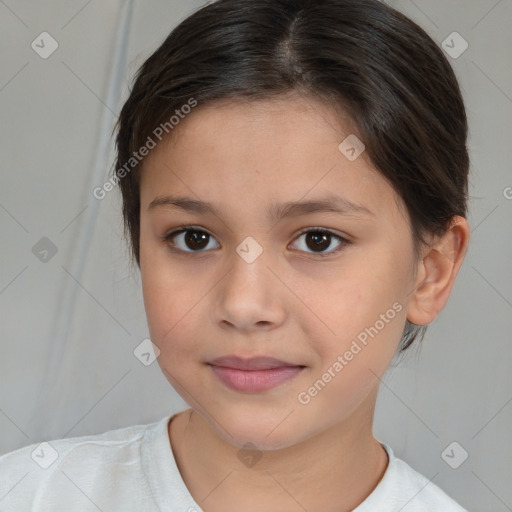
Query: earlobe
(437, 272)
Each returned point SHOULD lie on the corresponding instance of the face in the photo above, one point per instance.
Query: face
(259, 237)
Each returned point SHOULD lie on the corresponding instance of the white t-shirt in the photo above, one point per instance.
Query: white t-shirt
(133, 469)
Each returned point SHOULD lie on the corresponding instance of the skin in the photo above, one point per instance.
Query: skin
(290, 303)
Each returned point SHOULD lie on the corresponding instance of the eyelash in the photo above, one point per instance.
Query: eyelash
(183, 229)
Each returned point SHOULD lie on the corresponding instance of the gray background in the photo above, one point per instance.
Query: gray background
(69, 325)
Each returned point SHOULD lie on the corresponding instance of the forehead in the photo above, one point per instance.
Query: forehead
(286, 122)
(254, 153)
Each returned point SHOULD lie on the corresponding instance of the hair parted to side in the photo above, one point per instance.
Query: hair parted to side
(361, 56)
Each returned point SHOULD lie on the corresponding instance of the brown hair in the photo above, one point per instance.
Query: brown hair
(391, 78)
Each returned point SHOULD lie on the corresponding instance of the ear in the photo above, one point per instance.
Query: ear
(437, 271)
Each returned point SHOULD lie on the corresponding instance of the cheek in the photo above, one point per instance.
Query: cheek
(364, 306)
(169, 296)
(168, 302)
(177, 310)
(368, 321)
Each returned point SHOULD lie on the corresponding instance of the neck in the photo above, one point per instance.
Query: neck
(334, 470)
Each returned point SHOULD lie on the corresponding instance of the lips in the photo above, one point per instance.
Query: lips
(255, 374)
(253, 363)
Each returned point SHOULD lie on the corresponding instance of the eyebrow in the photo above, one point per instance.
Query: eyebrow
(276, 212)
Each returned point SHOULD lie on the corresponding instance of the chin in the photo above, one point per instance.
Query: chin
(258, 433)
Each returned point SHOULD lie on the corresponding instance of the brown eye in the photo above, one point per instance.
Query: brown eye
(196, 240)
(317, 241)
(190, 240)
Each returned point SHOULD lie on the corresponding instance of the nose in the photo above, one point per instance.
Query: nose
(249, 297)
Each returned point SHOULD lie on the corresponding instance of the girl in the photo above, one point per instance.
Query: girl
(294, 182)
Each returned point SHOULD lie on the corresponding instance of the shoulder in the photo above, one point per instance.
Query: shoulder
(64, 470)
(423, 493)
(403, 488)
